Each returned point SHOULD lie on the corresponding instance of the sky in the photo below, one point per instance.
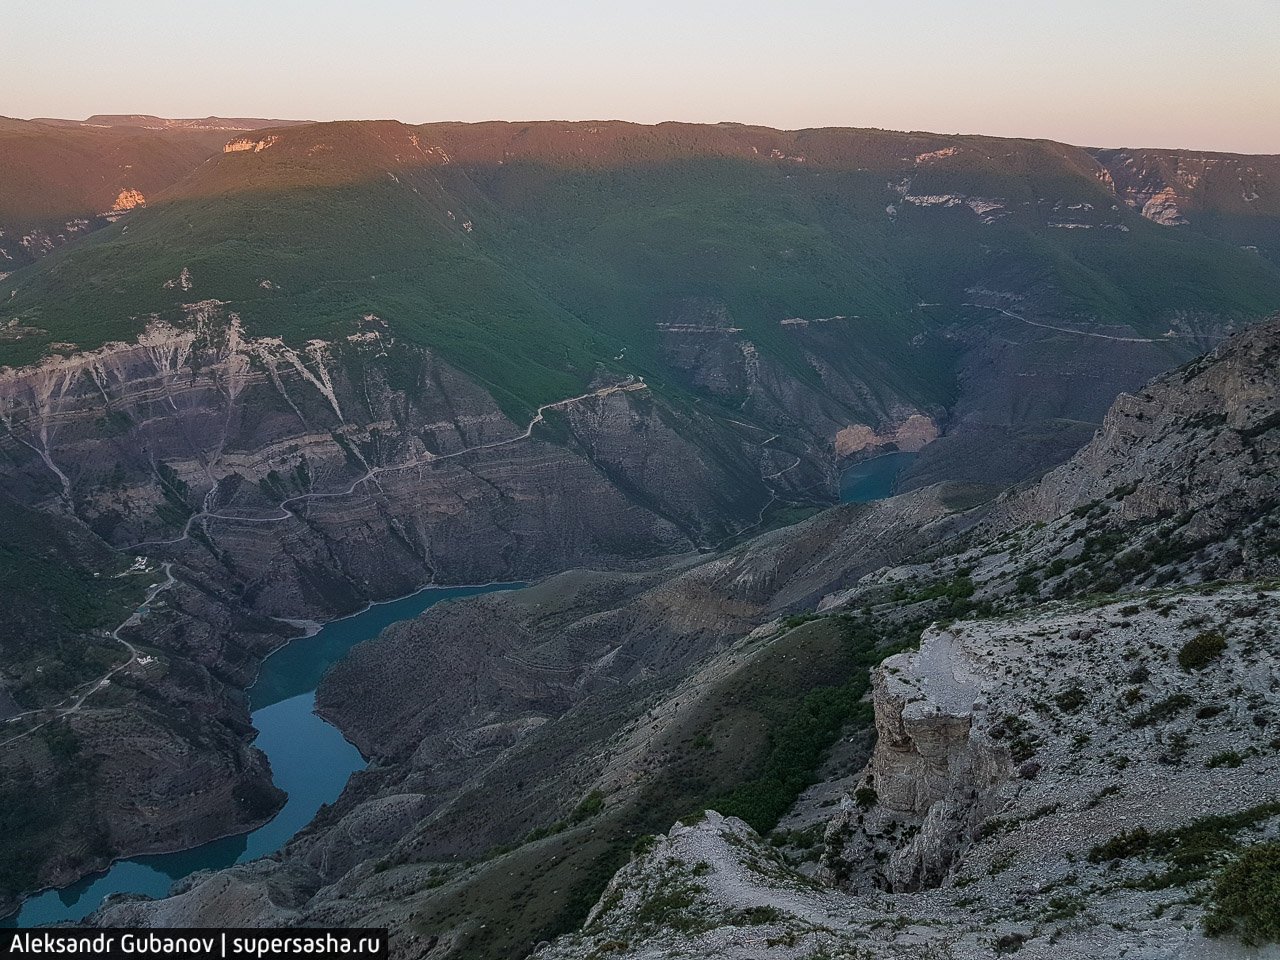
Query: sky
(1158, 73)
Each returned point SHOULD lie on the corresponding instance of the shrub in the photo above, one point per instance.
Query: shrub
(1071, 700)
(1201, 650)
(1009, 943)
(1125, 844)
(591, 804)
(1245, 901)
(1166, 709)
(1227, 758)
(756, 916)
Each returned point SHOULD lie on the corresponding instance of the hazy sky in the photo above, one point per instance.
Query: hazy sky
(1200, 74)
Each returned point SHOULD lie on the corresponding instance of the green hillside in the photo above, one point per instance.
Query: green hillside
(529, 254)
(53, 173)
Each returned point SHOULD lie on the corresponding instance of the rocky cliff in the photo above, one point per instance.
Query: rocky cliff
(1232, 197)
(933, 773)
(285, 484)
(1009, 750)
(1063, 780)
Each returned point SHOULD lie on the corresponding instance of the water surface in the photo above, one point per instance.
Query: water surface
(309, 760)
(874, 479)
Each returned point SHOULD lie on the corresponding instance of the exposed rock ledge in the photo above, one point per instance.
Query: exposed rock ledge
(933, 767)
(910, 435)
(1052, 689)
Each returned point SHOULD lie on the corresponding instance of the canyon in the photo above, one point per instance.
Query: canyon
(324, 365)
(1009, 750)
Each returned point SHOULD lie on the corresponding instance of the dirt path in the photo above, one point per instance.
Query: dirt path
(74, 703)
(1079, 333)
(286, 511)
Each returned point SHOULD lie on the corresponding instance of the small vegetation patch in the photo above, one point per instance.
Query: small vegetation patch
(1245, 901)
(1201, 650)
(756, 916)
(1069, 701)
(1191, 853)
(1227, 758)
(1166, 709)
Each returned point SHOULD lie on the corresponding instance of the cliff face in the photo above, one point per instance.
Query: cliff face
(301, 484)
(1232, 197)
(1200, 436)
(935, 771)
(711, 355)
(359, 469)
(550, 727)
(1034, 867)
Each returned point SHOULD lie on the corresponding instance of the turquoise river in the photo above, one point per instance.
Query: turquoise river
(309, 760)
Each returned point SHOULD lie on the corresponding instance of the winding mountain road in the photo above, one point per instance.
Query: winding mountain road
(286, 512)
(1079, 333)
(75, 702)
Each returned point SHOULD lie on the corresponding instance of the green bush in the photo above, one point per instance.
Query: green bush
(591, 804)
(1201, 650)
(803, 729)
(1166, 709)
(1245, 901)
(1069, 701)
(1191, 852)
(1125, 844)
(1227, 758)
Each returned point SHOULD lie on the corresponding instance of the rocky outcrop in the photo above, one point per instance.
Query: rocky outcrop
(1162, 208)
(127, 199)
(934, 770)
(1199, 437)
(256, 145)
(911, 435)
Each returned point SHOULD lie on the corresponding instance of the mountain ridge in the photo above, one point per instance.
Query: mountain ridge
(425, 370)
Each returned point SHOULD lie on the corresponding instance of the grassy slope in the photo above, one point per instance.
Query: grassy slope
(581, 241)
(52, 602)
(54, 173)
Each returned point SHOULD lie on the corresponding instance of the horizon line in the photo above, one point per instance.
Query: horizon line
(287, 121)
